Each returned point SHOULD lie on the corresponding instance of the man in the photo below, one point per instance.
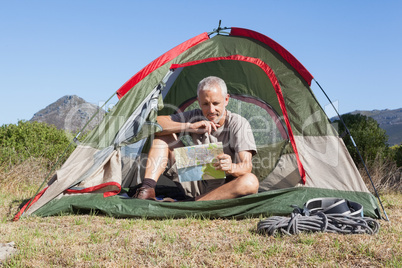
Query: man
(213, 123)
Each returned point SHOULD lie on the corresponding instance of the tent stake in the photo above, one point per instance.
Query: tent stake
(357, 150)
(75, 140)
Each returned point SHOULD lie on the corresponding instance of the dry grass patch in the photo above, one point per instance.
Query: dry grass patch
(18, 183)
(385, 175)
(100, 241)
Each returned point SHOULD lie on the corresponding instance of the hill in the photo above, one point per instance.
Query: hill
(389, 120)
(70, 113)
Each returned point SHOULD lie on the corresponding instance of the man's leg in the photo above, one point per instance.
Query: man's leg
(241, 186)
(159, 155)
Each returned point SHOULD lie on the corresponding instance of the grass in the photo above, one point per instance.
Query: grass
(100, 241)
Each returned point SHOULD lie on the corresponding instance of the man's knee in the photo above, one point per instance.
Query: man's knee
(248, 184)
(162, 141)
(166, 142)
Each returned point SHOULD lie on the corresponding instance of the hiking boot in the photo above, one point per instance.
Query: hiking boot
(145, 193)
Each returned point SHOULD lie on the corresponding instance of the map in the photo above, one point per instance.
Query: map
(195, 163)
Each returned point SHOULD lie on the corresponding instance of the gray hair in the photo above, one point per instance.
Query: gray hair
(211, 82)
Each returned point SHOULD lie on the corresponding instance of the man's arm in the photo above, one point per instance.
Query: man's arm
(169, 126)
(244, 166)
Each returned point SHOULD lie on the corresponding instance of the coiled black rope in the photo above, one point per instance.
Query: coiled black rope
(319, 222)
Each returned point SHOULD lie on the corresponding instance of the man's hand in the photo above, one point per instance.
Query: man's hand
(224, 162)
(202, 127)
(169, 126)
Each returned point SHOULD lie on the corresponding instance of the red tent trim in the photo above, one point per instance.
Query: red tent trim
(171, 54)
(271, 75)
(161, 60)
(95, 188)
(30, 203)
(277, 47)
(86, 190)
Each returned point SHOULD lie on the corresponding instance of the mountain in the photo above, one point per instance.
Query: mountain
(70, 113)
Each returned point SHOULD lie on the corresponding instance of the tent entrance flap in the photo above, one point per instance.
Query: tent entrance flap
(142, 122)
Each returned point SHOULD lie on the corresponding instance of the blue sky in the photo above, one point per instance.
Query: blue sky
(49, 49)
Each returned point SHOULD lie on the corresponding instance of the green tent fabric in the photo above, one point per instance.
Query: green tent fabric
(276, 202)
(300, 155)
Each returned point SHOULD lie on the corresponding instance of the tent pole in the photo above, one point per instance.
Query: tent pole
(75, 140)
(218, 30)
(357, 150)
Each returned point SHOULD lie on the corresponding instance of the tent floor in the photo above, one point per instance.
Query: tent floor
(276, 202)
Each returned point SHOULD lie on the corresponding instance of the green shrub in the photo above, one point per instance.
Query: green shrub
(368, 136)
(31, 139)
(396, 154)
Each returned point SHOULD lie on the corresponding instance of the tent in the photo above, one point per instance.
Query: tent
(300, 154)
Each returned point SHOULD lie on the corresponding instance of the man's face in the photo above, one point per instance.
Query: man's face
(213, 104)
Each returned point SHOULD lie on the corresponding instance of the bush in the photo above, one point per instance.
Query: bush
(396, 154)
(370, 139)
(25, 139)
